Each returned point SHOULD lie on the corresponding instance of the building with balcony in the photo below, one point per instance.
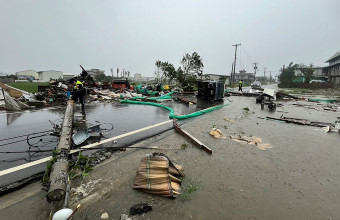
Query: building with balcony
(333, 69)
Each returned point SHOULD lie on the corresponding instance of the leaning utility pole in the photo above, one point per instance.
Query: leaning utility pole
(233, 78)
(255, 68)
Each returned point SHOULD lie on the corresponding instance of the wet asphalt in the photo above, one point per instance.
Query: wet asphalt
(296, 179)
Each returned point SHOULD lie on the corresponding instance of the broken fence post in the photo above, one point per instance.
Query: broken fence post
(59, 172)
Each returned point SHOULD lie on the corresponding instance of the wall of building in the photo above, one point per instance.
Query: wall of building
(28, 73)
(67, 76)
(45, 76)
(6, 80)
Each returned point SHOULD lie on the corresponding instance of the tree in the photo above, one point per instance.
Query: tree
(196, 64)
(287, 75)
(192, 64)
(169, 71)
(186, 60)
(307, 71)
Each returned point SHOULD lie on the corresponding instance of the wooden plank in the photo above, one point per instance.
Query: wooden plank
(192, 138)
(186, 101)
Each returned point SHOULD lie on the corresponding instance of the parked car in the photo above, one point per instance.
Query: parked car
(256, 85)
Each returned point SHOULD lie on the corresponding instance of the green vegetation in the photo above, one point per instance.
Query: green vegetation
(186, 75)
(46, 177)
(184, 146)
(189, 187)
(28, 86)
(288, 77)
(81, 167)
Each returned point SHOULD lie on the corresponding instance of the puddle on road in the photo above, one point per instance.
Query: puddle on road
(124, 118)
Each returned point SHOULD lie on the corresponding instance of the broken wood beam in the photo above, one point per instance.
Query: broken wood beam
(59, 172)
(192, 138)
(186, 101)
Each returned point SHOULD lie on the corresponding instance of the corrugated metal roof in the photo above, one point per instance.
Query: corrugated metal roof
(337, 54)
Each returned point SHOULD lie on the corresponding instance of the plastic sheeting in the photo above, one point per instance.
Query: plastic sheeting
(10, 103)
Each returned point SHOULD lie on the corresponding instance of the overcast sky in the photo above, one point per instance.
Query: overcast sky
(134, 34)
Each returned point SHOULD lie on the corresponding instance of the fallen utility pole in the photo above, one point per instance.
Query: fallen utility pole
(59, 172)
(193, 139)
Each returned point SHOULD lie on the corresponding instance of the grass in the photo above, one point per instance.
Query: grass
(28, 86)
(189, 187)
(184, 146)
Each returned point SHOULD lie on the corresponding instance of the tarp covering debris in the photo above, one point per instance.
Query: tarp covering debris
(10, 103)
(157, 175)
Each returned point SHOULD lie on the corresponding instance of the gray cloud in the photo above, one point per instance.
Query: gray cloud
(133, 34)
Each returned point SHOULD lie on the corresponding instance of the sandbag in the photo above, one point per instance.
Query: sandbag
(157, 175)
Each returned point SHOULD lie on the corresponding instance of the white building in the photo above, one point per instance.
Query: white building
(67, 76)
(32, 73)
(46, 76)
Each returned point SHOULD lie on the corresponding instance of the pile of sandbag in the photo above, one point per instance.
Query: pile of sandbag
(158, 175)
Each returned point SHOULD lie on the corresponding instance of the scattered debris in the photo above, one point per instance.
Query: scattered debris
(301, 121)
(124, 217)
(251, 140)
(184, 100)
(270, 105)
(156, 175)
(229, 120)
(217, 133)
(140, 209)
(84, 189)
(104, 216)
(10, 103)
(82, 135)
(281, 96)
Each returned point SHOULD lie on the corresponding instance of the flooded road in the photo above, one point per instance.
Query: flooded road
(123, 117)
(296, 179)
